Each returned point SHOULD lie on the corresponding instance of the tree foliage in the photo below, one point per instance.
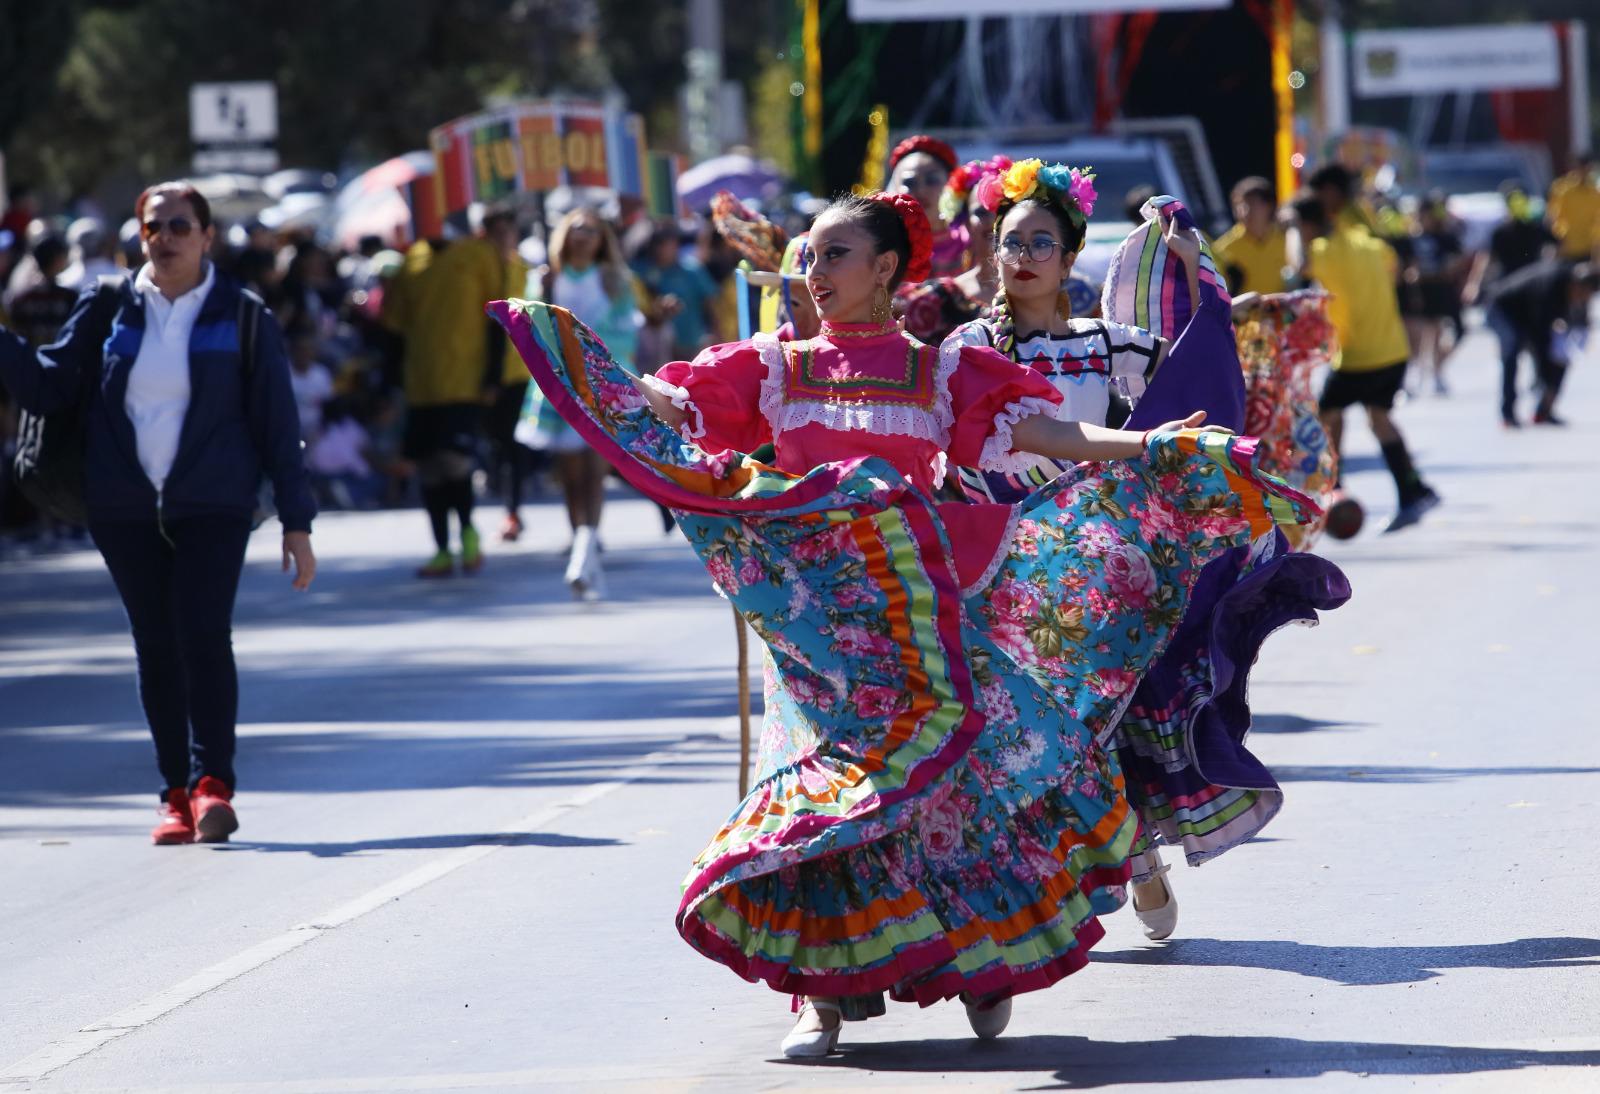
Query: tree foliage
(356, 81)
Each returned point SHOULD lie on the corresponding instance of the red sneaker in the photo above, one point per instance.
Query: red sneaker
(177, 823)
(214, 818)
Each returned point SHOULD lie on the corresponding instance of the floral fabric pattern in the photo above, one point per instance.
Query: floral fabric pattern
(1283, 339)
(936, 810)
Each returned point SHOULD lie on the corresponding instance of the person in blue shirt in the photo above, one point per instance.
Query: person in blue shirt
(682, 290)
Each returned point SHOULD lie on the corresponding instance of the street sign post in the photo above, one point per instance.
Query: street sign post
(234, 126)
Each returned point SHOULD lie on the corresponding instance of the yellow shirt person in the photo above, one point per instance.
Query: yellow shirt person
(1253, 255)
(1573, 213)
(1358, 270)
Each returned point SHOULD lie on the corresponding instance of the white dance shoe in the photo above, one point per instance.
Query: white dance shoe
(1160, 920)
(988, 1022)
(584, 576)
(803, 1043)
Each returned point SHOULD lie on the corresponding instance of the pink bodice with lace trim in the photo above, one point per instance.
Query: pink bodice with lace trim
(856, 391)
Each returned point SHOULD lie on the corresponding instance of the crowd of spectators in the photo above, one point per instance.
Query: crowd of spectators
(347, 316)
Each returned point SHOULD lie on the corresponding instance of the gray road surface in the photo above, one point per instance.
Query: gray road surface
(467, 807)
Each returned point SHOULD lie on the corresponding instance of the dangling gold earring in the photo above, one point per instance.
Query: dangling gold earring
(881, 312)
(1064, 305)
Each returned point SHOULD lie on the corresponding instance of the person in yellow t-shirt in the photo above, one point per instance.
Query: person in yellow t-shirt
(450, 368)
(1254, 254)
(1358, 271)
(1337, 188)
(1573, 211)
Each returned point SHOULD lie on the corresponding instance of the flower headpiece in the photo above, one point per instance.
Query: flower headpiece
(916, 222)
(933, 146)
(968, 179)
(1071, 187)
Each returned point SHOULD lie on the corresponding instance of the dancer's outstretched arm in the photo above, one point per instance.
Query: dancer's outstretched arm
(1077, 441)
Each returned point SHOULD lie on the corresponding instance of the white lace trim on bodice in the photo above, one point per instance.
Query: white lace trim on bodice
(931, 425)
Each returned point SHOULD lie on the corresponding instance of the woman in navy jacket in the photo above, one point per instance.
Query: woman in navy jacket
(181, 425)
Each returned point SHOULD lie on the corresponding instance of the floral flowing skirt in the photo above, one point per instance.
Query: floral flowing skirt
(1181, 740)
(936, 809)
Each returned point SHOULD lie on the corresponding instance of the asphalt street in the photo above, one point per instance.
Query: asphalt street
(466, 808)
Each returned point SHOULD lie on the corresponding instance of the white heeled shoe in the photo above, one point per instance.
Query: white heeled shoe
(814, 1042)
(1160, 921)
(988, 1022)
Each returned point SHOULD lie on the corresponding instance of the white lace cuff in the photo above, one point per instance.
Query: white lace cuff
(695, 426)
(998, 454)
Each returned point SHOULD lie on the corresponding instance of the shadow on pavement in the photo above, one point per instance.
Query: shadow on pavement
(1295, 723)
(420, 843)
(69, 774)
(1078, 1063)
(1379, 773)
(1362, 966)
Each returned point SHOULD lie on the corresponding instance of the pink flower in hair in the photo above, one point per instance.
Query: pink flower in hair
(988, 192)
(1082, 192)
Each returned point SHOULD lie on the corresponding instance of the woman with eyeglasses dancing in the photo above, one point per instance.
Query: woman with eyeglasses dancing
(933, 815)
(1192, 701)
(181, 420)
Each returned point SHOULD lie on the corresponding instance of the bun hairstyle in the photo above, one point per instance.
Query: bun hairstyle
(894, 222)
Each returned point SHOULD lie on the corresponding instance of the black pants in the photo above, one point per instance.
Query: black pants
(510, 458)
(1514, 338)
(178, 587)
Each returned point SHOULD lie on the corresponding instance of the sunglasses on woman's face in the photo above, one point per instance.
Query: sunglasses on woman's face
(178, 226)
(911, 180)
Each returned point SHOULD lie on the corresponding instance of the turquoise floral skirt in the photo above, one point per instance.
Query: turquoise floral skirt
(935, 810)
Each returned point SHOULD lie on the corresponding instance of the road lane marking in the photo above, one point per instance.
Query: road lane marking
(87, 1039)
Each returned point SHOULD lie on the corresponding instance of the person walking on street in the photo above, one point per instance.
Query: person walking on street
(1519, 240)
(1538, 309)
(1358, 270)
(1431, 286)
(588, 277)
(183, 415)
(451, 368)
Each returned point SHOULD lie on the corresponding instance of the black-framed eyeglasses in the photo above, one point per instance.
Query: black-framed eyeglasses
(911, 180)
(1040, 249)
(178, 226)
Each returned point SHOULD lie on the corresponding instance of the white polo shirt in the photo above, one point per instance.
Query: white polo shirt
(158, 383)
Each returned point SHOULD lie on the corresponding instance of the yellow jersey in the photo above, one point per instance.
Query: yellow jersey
(439, 310)
(1358, 270)
(1251, 264)
(1574, 215)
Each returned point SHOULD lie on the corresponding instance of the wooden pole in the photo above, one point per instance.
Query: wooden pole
(744, 704)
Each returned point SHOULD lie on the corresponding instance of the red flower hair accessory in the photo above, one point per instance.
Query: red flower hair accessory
(921, 236)
(920, 143)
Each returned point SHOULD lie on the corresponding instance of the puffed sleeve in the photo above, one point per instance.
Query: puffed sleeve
(721, 392)
(989, 394)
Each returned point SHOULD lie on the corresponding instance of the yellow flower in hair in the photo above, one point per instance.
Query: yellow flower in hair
(1019, 181)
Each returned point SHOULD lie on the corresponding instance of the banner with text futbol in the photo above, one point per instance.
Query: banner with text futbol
(536, 147)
